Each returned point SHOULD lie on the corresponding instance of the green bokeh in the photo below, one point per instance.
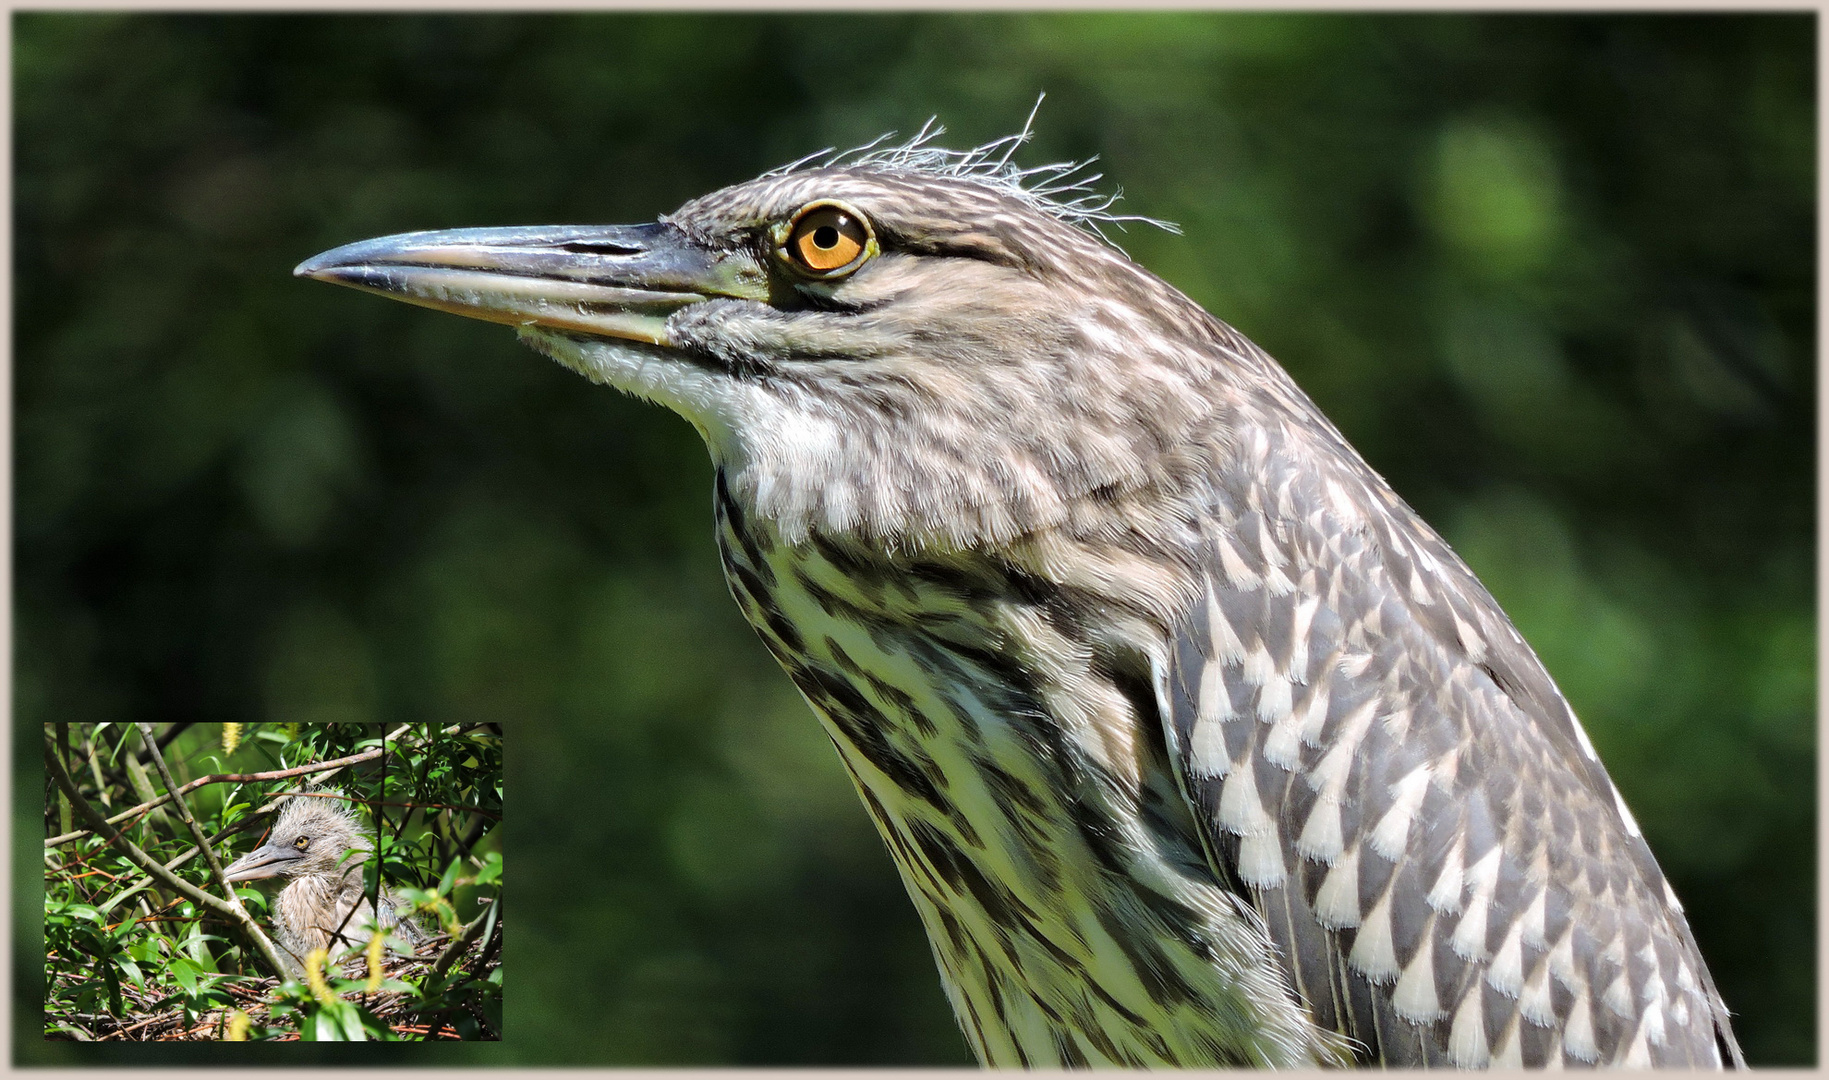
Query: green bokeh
(1553, 275)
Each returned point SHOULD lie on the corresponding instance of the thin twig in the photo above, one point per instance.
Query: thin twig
(276, 774)
(134, 1027)
(221, 778)
(184, 810)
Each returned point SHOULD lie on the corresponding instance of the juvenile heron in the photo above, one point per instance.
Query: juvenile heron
(323, 905)
(1194, 745)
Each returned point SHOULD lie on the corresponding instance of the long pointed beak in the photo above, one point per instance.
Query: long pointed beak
(263, 862)
(611, 280)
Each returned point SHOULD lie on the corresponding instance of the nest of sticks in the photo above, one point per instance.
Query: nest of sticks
(143, 1020)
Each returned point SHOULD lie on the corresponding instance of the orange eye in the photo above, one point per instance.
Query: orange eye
(827, 238)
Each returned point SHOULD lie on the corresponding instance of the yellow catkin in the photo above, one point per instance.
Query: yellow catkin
(231, 737)
(314, 975)
(375, 944)
(238, 1027)
(446, 915)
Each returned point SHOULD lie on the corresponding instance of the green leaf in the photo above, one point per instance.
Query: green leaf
(120, 896)
(322, 1027)
(89, 996)
(353, 1028)
(450, 876)
(186, 973)
(114, 989)
(201, 956)
(145, 950)
(94, 943)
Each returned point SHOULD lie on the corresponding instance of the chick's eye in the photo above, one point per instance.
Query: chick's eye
(827, 238)
(302, 843)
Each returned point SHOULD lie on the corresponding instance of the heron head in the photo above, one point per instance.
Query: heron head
(309, 838)
(893, 347)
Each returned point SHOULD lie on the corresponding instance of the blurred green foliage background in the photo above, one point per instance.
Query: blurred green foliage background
(1553, 275)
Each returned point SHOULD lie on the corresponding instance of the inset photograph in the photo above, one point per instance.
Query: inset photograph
(273, 882)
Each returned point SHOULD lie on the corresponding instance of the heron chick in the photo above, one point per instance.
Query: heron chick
(1193, 744)
(319, 848)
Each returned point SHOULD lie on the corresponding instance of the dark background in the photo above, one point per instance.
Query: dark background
(1554, 276)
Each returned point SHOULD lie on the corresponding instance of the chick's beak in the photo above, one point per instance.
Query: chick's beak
(263, 862)
(617, 281)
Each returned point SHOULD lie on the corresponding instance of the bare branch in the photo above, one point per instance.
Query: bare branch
(184, 811)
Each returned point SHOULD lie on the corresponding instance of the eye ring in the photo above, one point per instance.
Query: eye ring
(827, 240)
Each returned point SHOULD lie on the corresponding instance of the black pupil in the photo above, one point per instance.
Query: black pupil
(826, 237)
